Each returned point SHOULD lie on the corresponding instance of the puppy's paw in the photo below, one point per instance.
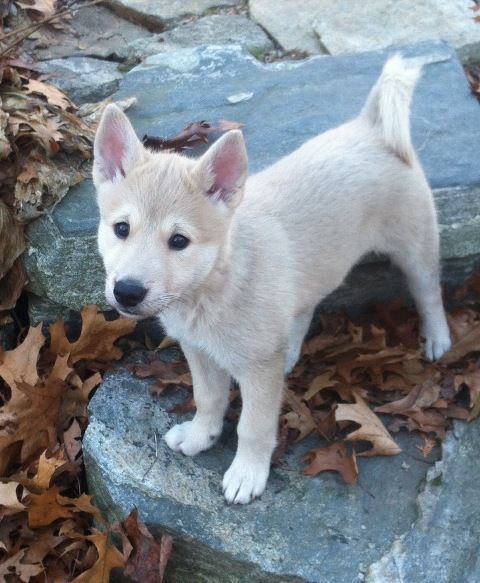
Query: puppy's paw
(436, 345)
(244, 480)
(191, 438)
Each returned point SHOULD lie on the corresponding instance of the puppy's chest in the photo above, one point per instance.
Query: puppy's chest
(221, 342)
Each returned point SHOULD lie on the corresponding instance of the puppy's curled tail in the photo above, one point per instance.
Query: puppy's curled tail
(388, 105)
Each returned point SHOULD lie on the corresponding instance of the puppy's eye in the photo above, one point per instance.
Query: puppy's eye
(178, 242)
(121, 230)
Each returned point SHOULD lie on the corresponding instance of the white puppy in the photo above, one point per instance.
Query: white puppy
(234, 268)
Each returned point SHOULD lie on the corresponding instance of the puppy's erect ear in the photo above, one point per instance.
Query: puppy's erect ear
(223, 169)
(116, 147)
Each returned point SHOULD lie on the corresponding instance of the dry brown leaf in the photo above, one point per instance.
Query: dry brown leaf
(371, 428)
(45, 7)
(166, 343)
(427, 446)
(47, 507)
(171, 373)
(14, 566)
(53, 94)
(12, 243)
(109, 557)
(83, 503)
(468, 343)
(299, 417)
(11, 286)
(20, 365)
(148, 557)
(9, 502)
(32, 415)
(192, 135)
(320, 382)
(334, 458)
(322, 342)
(47, 466)
(72, 440)
(472, 380)
(96, 340)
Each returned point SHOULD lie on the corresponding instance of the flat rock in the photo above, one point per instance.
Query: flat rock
(443, 544)
(156, 14)
(289, 103)
(331, 531)
(218, 29)
(322, 26)
(84, 79)
(95, 32)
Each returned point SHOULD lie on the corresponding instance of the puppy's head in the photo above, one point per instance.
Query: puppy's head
(164, 218)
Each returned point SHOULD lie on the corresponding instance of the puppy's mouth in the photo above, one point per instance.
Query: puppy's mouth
(138, 312)
(131, 314)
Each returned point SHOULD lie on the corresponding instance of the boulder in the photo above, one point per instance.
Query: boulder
(95, 32)
(406, 520)
(84, 79)
(351, 26)
(157, 14)
(218, 29)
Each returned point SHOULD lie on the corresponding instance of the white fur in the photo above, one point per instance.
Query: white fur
(264, 252)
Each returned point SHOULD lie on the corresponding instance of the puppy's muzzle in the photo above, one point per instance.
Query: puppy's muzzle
(129, 292)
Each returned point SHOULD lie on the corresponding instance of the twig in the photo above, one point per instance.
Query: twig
(28, 30)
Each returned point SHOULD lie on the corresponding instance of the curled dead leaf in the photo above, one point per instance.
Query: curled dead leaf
(371, 428)
(334, 457)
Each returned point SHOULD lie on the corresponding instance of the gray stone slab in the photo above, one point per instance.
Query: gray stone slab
(322, 26)
(157, 14)
(93, 32)
(291, 102)
(301, 529)
(84, 79)
(218, 29)
(443, 545)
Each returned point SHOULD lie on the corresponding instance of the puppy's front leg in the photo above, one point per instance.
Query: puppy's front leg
(262, 392)
(210, 390)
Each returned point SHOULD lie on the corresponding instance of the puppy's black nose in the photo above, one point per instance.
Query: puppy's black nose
(129, 292)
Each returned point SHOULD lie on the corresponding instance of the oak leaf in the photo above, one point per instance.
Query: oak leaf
(299, 417)
(146, 557)
(53, 94)
(96, 341)
(109, 557)
(20, 365)
(335, 458)
(32, 415)
(371, 428)
(47, 507)
(47, 467)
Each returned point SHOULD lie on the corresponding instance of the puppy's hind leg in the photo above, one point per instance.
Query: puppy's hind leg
(420, 262)
(297, 333)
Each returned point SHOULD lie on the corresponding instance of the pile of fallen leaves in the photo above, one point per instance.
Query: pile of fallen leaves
(44, 143)
(358, 383)
(46, 531)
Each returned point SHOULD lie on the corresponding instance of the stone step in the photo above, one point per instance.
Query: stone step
(406, 520)
(322, 26)
(290, 102)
